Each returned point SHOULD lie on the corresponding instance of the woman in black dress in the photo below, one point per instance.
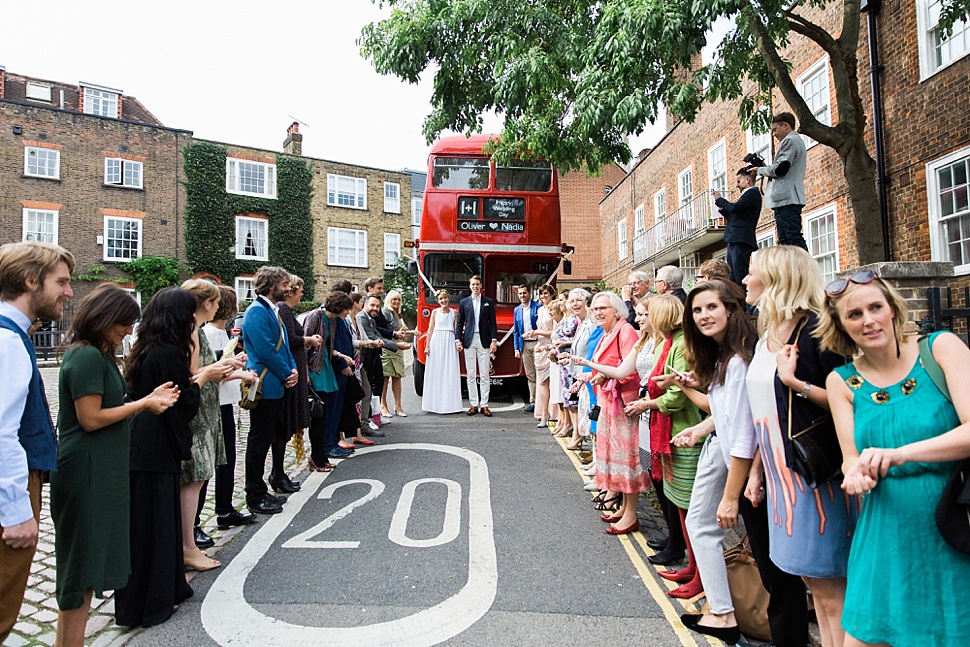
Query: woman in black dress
(162, 353)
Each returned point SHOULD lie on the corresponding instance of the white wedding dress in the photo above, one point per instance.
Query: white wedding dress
(442, 379)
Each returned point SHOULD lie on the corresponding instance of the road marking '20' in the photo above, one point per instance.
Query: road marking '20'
(399, 522)
(231, 620)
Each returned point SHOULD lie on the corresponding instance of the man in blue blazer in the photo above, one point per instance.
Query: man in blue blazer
(742, 219)
(267, 344)
(525, 317)
(476, 327)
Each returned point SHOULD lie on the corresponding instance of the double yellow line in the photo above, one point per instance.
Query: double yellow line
(651, 581)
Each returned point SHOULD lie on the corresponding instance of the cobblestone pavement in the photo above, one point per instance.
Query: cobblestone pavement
(38, 614)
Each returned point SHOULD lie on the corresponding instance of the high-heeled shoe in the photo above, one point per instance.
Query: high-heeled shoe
(284, 485)
(633, 527)
(326, 467)
(612, 503)
(400, 413)
(196, 560)
(573, 447)
(599, 498)
(686, 591)
(682, 576)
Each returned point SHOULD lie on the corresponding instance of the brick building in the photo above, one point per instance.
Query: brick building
(91, 169)
(664, 200)
(579, 197)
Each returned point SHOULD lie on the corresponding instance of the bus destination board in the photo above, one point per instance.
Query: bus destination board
(504, 209)
(468, 209)
(493, 226)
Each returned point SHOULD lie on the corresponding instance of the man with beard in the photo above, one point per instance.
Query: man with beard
(35, 282)
(269, 357)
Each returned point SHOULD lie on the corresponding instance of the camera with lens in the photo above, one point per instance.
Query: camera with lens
(753, 161)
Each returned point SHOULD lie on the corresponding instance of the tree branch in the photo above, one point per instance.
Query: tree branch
(810, 30)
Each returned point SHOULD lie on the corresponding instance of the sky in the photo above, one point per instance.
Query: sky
(239, 72)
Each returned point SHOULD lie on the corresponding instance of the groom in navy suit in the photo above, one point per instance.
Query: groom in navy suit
(476, 327)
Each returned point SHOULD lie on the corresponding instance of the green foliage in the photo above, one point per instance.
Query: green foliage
(210, 227)
(397, 278)
(97, 274)
(152, 273)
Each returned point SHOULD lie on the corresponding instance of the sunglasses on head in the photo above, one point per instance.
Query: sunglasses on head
(838, 286)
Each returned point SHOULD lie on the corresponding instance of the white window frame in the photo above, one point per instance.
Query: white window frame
(262, 229)
(639, 221)
(244, 286)
(685, 205)
(122, 259)
(621, 240)
(38, 92)
(417, 209)
(334, 191)
(54, 216)
(760, 144)
(659, 216)
(766, 239)
(938, 243)
(392, 245)
(807, 220)
(360, 247)
(234, 178)
(392, 203)
(37, 150)
(927, 19)
(718, 181)
(820, 70)
(134, 293)
(101, 102)
(123, 175)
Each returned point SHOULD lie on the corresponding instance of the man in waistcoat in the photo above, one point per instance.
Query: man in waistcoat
(35, 282)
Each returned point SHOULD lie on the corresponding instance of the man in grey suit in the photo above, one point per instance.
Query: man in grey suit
(786, 180)
(367, 321)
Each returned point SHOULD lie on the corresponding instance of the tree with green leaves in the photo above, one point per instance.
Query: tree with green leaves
(573, 78)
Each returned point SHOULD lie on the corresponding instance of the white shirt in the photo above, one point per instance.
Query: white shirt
(229, 392)
(477, 305)
(14, 499)
(527, 318)
(732, 413)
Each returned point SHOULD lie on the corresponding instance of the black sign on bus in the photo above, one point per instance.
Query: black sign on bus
(504, 209)
(468, 210)
(499, 227)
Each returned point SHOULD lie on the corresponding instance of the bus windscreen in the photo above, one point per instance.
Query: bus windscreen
(460, 173)
(523, 175)
(451, 272)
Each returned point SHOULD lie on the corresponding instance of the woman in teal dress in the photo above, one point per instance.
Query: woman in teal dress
(89, 490)
(900, 436)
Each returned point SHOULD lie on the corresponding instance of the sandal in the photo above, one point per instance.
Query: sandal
(198, 561)
(326, 467)
(611, 503)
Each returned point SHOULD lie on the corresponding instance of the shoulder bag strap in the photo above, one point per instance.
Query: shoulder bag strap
(931, 366)
(798, 332)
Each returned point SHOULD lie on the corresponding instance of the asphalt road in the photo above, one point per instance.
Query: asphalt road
(454, 530)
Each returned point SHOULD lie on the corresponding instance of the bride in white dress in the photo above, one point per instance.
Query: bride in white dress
(442, 379)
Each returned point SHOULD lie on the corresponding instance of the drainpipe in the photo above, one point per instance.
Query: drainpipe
(872, 8)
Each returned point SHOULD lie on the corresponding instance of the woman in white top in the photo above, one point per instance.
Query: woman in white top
(442, 378)
(542, 333)
(719, 339)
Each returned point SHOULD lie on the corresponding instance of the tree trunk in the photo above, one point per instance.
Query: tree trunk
(859, 171)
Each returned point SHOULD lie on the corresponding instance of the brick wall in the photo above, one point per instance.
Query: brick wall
(84, 141)
(579, 198)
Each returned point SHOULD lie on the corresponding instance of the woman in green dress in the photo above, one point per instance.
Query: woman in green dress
(89, 490)
(900, 435)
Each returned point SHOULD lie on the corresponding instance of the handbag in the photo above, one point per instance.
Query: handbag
(316, 404)
(354, 392)
(247, 400)
(953, 510)
(817, 456)
(748, 594)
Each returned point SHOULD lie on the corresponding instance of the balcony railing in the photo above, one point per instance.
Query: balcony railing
(692, 223)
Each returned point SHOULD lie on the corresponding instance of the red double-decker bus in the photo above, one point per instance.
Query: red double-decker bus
(498, 221)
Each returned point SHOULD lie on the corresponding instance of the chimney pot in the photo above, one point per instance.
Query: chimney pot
(294, 128)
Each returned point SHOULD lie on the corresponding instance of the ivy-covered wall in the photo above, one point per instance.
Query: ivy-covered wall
(210, 226)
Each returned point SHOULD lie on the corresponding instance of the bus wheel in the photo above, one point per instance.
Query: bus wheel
(419, 378)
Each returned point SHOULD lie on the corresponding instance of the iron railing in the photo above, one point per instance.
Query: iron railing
(692, 218)
(949, 317)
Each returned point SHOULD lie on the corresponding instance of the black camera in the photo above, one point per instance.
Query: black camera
(753, 159)
(594, 413)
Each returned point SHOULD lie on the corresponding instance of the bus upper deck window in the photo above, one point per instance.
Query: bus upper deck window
(522, 175)
(461, 173)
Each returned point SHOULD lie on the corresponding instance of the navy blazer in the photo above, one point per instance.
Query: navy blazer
(518, 324)
(487, 328)
(261, 329)
(742, 217)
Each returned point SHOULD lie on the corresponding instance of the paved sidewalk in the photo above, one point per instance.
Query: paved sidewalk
(38, 615)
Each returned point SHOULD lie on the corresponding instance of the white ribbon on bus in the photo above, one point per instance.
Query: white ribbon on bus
(509, 333)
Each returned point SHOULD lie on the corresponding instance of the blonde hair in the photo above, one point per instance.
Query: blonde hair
(390, 295)
(833, 337)
(644, 334)
(666, 313)
(555, 311)
(202, 290)
(442, 293)
(295, 283)
(29, 260)
(793, 286)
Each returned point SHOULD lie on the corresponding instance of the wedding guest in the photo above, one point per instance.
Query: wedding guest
(392, 361)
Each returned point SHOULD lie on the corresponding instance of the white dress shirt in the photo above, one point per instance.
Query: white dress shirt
(731, 411)
(14, 499)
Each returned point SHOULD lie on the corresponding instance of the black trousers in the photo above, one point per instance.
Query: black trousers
(265, 425)
(738, 259)
(225, 474)
(788, 219)
(788, 606)
(371, 363)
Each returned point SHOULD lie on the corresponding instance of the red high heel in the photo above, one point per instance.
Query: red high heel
(682, 576)
(634, 527)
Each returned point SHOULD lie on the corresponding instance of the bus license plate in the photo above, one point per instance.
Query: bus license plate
(497, 381)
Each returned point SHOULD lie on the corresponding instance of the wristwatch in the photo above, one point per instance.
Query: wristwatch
(804, 392)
